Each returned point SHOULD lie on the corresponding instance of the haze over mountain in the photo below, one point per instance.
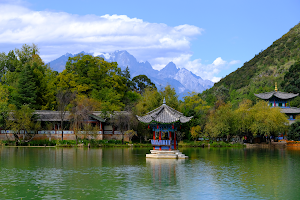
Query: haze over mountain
(182, 79)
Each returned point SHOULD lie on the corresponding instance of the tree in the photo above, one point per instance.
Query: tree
(141, 82)
(95, 78)
(21, 122)
(123, 121)
(291, 81)
(26, 90)
(80, 111)
(4, 95)
(267, 120)
(26, 52)
(294, 131)
(150, 100)
(244, 117)
(194, 106)
(195, 132)
(221, 122)
(63, 97)
(170, 96)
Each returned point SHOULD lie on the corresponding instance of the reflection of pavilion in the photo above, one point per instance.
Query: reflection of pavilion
(164, 122)
(164, 170)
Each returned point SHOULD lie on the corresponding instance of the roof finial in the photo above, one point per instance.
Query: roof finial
(164, 102)
(276, 87)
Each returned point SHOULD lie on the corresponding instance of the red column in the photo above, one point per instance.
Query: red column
(170, 140)
(159, 139)
(153, 139)
(175, 140)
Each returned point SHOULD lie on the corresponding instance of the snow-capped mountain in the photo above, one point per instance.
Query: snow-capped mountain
(182, 79)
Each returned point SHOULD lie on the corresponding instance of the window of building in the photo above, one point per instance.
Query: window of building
(280, 104)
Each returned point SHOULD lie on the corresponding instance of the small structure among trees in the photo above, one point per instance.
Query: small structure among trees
(281, 100)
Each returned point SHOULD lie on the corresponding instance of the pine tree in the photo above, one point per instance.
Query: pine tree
(26, 88)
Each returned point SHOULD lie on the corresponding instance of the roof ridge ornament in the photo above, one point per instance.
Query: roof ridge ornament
(164, 102)
(276, 87)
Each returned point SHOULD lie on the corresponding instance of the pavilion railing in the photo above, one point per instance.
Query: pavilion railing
(161, 142)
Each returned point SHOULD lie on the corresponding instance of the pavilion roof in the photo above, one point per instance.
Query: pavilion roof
(291, 110)
(278, 94)
(164, 114)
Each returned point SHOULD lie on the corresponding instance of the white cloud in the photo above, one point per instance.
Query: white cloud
(58, 33)
(66, 32)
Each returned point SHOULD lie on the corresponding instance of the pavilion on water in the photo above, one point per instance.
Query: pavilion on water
(164, 122)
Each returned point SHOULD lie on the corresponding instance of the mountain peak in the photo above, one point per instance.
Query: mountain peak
(170, 68)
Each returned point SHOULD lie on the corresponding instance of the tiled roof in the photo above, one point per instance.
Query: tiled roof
(291, 110)
(164, 114)
(54, 116)
(280, 95)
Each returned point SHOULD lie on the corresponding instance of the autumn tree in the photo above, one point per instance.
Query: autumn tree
(63, 98)
(81, 110)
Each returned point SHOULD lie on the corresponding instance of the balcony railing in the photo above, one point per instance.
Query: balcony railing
(161, 142)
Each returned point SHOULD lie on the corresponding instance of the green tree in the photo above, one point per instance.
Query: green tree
(291, 81)
(244, 118)
(150, 100)
(26, 90)
(170, 96)
(141, 82)
(221, 122)
(267, 120)
(294, 131)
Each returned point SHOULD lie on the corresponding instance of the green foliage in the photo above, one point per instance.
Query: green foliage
(291, 81)
(294, 131)
(141, 82)
(195, 132)
(169, 94)
(26, 89)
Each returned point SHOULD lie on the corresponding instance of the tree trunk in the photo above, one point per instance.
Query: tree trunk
(62, 130)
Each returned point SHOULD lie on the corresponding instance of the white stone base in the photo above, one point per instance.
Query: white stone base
(174, 154)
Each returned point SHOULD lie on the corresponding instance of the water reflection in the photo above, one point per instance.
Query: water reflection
(164, 171)
(125, 173)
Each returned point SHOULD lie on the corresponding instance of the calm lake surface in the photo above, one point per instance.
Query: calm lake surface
(125, 173)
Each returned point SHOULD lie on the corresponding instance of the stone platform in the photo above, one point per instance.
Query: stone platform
(160, 154)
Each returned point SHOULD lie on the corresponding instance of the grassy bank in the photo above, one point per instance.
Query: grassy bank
(72, 143)
(113, 143)
(208, 144)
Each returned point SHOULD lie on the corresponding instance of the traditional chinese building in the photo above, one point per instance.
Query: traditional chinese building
(281, 100)
(164, 121)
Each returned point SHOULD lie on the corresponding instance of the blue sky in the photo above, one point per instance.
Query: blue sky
(210, 38)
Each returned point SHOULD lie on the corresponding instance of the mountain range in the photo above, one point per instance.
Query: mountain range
(181, 79)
